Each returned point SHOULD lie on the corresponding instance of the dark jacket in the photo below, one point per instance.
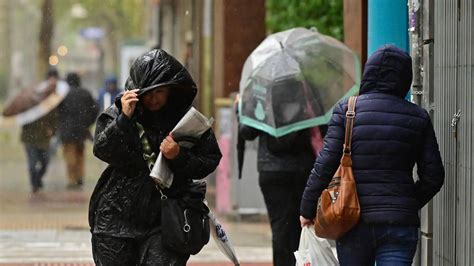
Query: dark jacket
(125, 202)
(291, 153)
(390, 135)
(38, 133)
(77, 113)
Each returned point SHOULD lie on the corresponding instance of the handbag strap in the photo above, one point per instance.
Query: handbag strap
(350, 116)
(148, 155)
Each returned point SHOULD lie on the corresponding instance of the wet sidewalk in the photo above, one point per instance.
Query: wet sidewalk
(51, 228)
(73, 246)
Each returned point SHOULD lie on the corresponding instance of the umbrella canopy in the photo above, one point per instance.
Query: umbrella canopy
(31, 104)
(222, 240)
(293, 79)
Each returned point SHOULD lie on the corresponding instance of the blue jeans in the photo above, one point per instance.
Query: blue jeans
(38, 160)
(386, 245)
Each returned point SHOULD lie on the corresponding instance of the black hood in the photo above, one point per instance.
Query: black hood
(157, 68)
(388, 70)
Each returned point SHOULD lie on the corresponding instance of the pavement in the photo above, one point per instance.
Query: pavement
(50, 227)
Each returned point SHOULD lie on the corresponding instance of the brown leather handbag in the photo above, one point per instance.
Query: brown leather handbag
(338, 207)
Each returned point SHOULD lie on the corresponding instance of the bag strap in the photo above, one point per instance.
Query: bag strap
(350, 116)
(148, 155)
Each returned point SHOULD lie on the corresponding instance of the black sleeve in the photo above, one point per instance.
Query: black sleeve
(248, 133)
(326, 163)
(430, 167)
(116, 140)
(199, 161)
(245, 132)
(291, 142)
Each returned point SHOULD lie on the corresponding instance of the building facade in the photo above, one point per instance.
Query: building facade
(445, 64)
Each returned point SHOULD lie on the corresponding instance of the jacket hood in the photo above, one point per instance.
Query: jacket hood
(157, 68)
(111, 79)
(388, 70)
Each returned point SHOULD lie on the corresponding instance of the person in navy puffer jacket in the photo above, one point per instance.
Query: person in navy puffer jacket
(390, 136)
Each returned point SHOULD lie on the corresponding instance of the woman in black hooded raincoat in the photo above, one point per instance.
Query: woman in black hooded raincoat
(124, 211)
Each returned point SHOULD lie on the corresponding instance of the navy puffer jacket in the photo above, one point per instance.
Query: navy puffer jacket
(390, 135)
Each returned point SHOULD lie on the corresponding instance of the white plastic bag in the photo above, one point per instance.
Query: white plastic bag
(314, 251)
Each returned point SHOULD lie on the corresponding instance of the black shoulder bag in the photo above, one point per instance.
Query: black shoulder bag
(184, 218)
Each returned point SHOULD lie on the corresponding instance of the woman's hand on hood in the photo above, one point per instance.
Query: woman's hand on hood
(129, 102)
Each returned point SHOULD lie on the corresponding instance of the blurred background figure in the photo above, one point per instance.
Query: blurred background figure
(108, 93)
(77, 113)
(36, 136)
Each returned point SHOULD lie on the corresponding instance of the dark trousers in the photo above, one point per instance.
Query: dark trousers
(282, 194)
(382, 244)
(38, 160)
(147, 250)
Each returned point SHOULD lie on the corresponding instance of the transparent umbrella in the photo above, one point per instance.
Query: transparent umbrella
(293, 79)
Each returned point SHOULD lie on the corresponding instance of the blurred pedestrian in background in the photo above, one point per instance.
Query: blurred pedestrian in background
(125, 212)
(390, 135)
(283, 165)
(108, 93)
(36, 137)
(77, 113)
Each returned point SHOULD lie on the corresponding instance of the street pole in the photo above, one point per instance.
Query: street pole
(417, 87)
(5, 47)
(414, 30)
(416, 49)
(387, 24)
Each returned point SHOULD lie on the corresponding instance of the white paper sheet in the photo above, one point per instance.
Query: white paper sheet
(193, 124)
